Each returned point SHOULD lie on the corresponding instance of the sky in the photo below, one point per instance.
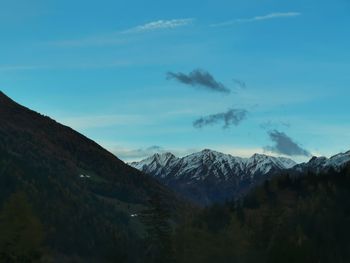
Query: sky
(139, 77)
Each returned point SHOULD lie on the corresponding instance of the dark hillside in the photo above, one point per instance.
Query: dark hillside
(289, 219)
(83, 195)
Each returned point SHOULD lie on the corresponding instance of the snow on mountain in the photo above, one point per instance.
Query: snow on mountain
(260, 163)
(158, 164)
(338, 161)
(209, 176)
(323, 164)
(208, 163)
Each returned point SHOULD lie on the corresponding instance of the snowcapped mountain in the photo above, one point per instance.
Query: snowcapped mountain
(322, 164)
(158, 165)
(209, 176)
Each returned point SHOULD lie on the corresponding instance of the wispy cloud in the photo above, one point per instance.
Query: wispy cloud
(160, 25)
(130, 154)
(228, 118)
(121, 37)
(199, 78)
(127, 154)
(285, 145)
(258, 18)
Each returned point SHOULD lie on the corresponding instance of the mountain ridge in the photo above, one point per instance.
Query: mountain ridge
(323, 164)
(229, 176)
(209, 176)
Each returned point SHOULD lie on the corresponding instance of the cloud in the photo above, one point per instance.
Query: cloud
(160, 25)
(199, 78)
(127, 154)
(121, 37)
(231, 117)
(258, 18)
(285, 145)
(130, 155)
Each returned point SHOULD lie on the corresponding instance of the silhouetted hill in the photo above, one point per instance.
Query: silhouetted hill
(83, 195)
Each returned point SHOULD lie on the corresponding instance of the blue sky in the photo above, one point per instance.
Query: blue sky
(101, 67)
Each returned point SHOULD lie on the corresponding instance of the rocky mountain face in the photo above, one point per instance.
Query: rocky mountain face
(209, 176)
(319, 165)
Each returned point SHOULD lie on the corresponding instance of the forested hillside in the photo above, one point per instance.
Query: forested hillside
(289, 219)
(81, 197)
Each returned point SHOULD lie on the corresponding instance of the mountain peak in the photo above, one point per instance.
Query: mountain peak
(156, 161)
(210, 152)
(195, 174)
(165, 155)
(163, 158)
(259, 156)
(207, 151)
(168, 154)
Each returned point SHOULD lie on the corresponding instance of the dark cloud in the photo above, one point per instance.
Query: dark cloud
(231, 117)
(283, 144)
(199, 78)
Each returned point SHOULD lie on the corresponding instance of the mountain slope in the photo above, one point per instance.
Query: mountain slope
(318, 165)
(83, 194)
(209, 176)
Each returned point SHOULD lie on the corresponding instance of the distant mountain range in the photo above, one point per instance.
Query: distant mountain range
(318, 165)
(208, 176)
